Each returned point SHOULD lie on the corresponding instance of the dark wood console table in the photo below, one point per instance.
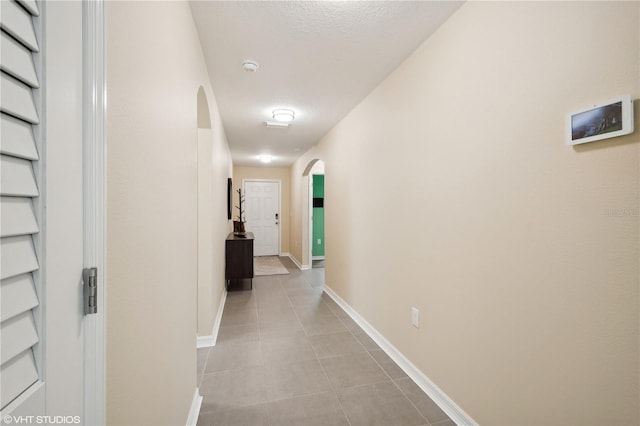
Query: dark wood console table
(239, 262)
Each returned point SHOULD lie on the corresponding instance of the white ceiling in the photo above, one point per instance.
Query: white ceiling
(319, 58)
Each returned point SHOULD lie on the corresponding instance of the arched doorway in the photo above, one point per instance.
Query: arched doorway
(313, 238)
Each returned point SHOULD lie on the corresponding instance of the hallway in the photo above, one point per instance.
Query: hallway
(287, 354)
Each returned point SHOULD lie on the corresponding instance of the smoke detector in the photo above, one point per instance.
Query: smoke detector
(250, 66)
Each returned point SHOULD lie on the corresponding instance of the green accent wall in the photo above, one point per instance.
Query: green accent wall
(317, 249)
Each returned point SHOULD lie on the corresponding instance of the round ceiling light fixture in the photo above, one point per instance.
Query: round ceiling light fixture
(265, 158)
(250, 66)
(284, 115)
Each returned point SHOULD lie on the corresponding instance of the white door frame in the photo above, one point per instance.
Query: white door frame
(311, 256)
(279, 182)
(306, 213)
(94, 188)
(310, 218)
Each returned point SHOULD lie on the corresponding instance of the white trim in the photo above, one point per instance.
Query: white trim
(216, 324)
(94, 187)
(205, 341)
(211, 339)
(317, 257)
(279, 182)
(310, 219)
(443, 401)
(40, 202)
(194, 411)
(301, 267)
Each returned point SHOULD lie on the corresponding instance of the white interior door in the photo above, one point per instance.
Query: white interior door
(262, 212)
(43, 332)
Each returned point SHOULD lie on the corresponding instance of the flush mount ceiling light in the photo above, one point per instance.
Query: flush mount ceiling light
(250, 66)
(264, 158)
(283, 115)
(276, 125)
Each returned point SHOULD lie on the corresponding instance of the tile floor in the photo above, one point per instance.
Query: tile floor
(288, 355)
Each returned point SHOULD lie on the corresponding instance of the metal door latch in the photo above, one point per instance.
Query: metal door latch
(90, 286)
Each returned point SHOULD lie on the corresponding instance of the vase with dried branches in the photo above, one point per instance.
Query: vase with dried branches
(238, 225)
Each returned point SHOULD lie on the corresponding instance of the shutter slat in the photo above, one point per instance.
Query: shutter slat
(17, 138)
(17, 177)
(19, 334)
(18, 257)
(17, 99)
(17, 375)
(18, 295)
(18, 184)
(17, 22)
(31, 6)
(17, 61)
(17, 217)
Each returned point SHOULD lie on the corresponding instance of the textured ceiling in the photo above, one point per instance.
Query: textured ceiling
(319, 58)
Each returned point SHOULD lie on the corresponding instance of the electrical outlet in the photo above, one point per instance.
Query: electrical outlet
(415, 317)
(319, 241)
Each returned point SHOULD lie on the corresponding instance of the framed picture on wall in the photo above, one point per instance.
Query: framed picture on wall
(602, 121)
(229, 193)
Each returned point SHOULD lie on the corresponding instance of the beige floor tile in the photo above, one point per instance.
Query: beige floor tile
(305, 290)
(273, 301)
(265, 369)
(349, 323)
(329, 345)
(388, 365)
(447, 422)
(309, 311)
(294, 282)
(287, 350)
(423, 403)
(353, 370)
(202, 355)
(322, 324)
(238, 333)
(233, 317)
(221, 414)
(320, 409)
(243, 387)
(294, 379)
(277, 315)
(234, 356)
(380, 404)
(366, 341)
(239, 297)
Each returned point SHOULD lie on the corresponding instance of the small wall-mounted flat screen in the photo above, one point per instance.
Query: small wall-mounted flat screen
(603, 121)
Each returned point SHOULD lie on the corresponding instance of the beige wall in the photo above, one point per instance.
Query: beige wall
(213, 227)
(268, 173)
(155, 68)
(521, 252)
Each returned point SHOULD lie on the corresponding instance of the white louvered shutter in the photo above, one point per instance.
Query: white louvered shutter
(18, 188)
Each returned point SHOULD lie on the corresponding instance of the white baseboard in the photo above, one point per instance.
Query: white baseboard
(210, 340)
(317, 257)
(194, 411)
(301, 267)
(447, 405)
